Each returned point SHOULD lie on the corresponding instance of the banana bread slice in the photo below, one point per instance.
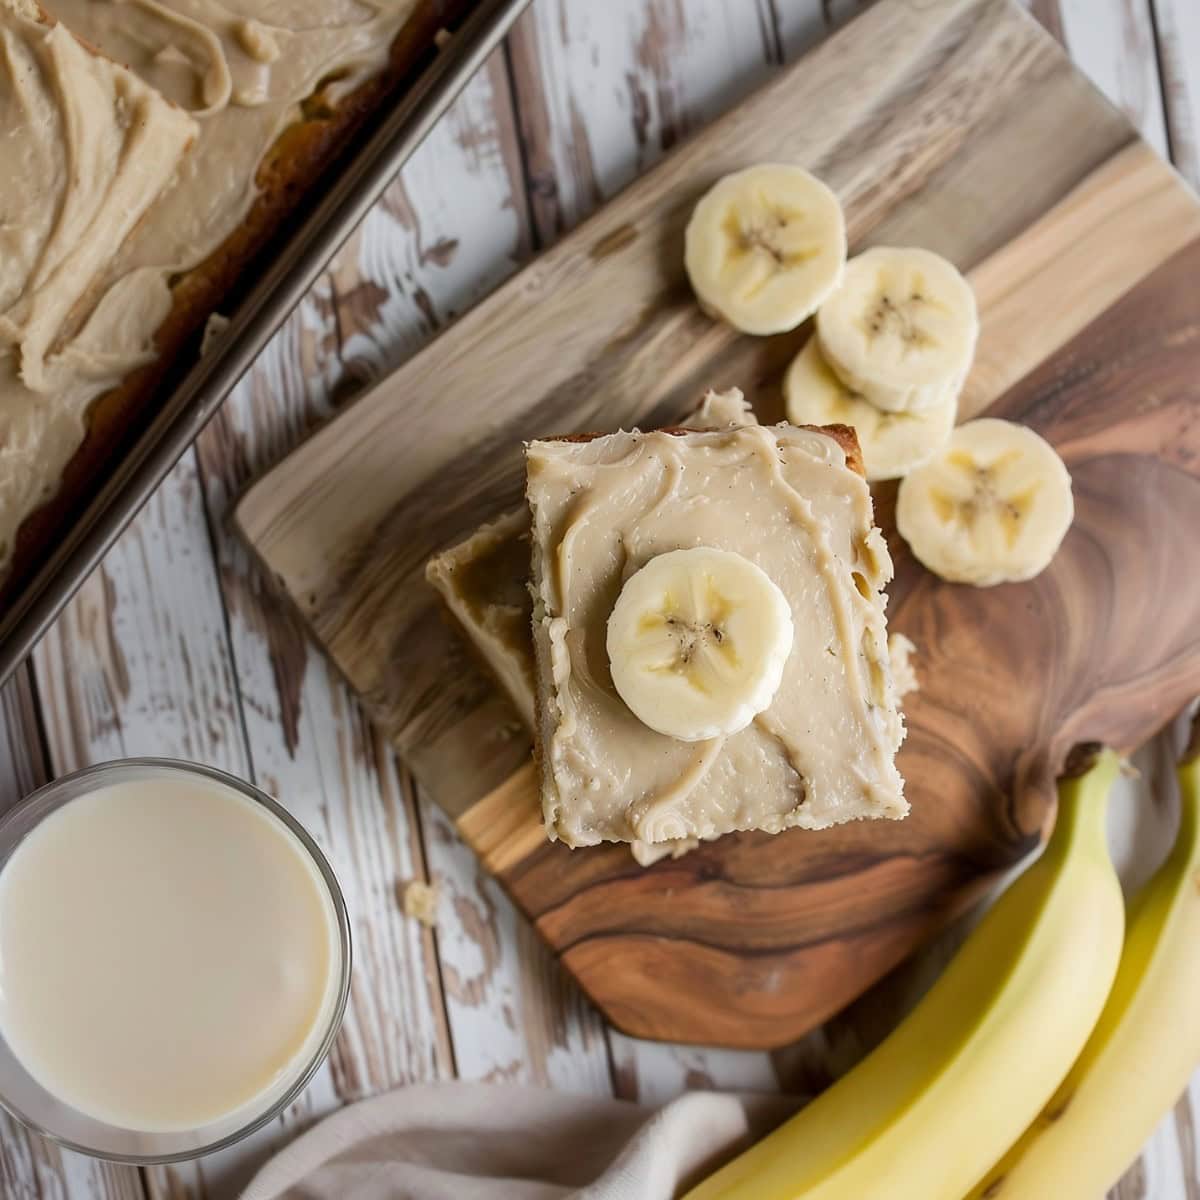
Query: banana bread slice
(794, 503)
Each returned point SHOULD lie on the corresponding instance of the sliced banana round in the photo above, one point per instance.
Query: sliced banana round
(892, 443)
(766, 246)
(992, 506)
(697, 642)
(901, 329)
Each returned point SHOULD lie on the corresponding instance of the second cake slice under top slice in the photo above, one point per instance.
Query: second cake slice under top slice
(484, 579)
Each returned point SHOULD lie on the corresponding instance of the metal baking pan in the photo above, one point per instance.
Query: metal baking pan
(314, 235)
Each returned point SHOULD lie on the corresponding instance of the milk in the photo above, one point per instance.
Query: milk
(169, 953)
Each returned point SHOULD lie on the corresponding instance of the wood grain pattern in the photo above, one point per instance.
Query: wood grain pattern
(687, 926)
(505, 827)
(1125, 219)
(23, 764)
(34, 1169)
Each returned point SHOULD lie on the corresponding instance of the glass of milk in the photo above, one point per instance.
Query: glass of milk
(174, 960)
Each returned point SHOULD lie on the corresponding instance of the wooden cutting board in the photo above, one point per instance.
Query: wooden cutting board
(959, 126)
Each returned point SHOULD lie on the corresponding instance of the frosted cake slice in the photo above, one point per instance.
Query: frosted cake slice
(793, 503)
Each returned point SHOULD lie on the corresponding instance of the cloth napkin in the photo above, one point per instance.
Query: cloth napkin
(463, 1141)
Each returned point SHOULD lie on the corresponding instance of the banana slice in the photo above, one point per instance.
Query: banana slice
(992, 506)
(892, 443)
(901, 329)
(765, 246)
(697, 642)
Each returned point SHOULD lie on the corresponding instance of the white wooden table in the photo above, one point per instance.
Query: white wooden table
(173, 646)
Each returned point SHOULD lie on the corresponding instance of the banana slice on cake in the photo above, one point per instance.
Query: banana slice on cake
(901, 329)
(766, 246)
(992, 506)
(697, 642)
(892, 443)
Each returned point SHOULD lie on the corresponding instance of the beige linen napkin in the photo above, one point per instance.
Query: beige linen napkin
(464, 1141)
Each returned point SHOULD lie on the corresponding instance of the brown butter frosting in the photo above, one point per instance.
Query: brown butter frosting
(88, 148)
(823, 751)
(132, 177)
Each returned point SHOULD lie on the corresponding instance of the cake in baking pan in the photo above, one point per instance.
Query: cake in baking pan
(160, 146)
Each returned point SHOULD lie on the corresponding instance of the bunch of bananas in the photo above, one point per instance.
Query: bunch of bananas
(1041, 1060)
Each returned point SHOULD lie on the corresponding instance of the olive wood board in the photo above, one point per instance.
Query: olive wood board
(960, 126)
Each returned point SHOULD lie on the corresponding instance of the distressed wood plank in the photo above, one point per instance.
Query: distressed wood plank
(530, 1024)
(1184, 1133)
(138, 664)
(32, 1168)
(23, 762)
(604, 91)
(1112, 41)
(656, 1072)
(138, 661)
(1178, 26)
(448, 229)
(801, 24)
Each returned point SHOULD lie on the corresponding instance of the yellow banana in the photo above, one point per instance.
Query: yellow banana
(937, 1103)
(1144, 1047)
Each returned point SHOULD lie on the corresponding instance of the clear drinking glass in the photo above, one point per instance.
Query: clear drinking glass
(27, 1100)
